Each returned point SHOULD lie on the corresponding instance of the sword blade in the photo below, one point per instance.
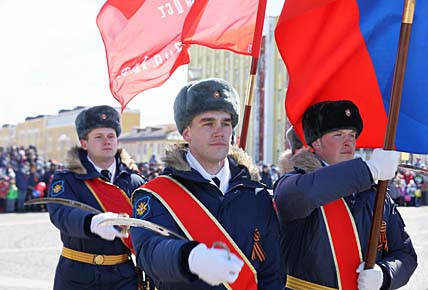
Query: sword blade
(63, 201)
(132, 222)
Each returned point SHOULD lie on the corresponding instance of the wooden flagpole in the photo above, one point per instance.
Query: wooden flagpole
(248, 103)
(261, 11)
(394, 108)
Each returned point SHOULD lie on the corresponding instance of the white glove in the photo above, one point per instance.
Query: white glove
(383, 164)
(370, 279)
(107, 232)
(213, 265)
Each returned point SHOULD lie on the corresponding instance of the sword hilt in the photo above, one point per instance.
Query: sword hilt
(222, 245)
(123, 229)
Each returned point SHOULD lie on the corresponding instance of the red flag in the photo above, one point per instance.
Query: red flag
(224, 24)
(146, 41)
(326, 57)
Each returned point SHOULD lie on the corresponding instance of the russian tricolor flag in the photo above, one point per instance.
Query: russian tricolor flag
(346, 49)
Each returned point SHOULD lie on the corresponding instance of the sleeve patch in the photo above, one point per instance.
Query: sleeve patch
(57, 188)
(142, 207)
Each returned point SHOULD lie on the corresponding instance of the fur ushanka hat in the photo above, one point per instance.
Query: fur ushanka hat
(328, 116)
(197, 97)
(97, 117)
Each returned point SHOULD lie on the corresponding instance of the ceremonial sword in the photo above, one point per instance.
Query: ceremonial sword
(119, 221)
(122, 220)
(63, 201)
(133, 222)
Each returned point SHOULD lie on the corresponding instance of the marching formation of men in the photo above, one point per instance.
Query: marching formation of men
(229, 231)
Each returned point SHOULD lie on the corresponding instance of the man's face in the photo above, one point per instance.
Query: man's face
(209, 136)
(101, 144)
(336, 146)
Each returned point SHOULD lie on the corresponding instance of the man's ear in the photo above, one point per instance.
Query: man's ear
(316, 144)
(186, 134)
(84, 144)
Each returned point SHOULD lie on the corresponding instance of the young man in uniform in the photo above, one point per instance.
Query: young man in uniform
(102, 176)
(209, 193)
(325, 211)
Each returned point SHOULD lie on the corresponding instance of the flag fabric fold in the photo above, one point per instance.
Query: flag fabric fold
(236, 26)
(346, 49)
(146, 41)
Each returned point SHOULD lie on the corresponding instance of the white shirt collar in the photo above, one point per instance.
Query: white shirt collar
(223, 175)
(325, 163)
(112, 169)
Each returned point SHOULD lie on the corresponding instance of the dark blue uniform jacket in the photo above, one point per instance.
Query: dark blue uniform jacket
(247, 205)
(304, 242)
(74, 224)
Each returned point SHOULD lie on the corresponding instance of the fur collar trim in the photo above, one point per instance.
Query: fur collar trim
(306, 160)
(175, 158)
(74, 164)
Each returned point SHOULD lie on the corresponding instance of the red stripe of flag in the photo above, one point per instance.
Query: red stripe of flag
(327, 59)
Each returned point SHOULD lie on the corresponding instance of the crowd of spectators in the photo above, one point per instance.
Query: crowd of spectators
(150, 169)
(24, 176)
(410, 187)
(269, 173)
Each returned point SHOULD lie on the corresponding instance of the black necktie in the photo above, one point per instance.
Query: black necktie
(216, 181)
(106, 174)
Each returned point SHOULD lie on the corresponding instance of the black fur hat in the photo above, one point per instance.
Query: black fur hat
(328, 116)
(212, 94)
(97, 117)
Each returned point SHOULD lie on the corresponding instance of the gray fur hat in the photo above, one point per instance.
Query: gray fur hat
(293, 139)
(97, 117)
(328, 116)
(197, 97)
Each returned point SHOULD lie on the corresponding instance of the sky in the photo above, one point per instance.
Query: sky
(52, 57)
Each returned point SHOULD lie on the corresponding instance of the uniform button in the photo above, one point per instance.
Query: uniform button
(99, 259)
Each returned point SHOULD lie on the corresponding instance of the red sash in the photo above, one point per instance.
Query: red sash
(344, 242)
(111, 198)
(199, 224)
